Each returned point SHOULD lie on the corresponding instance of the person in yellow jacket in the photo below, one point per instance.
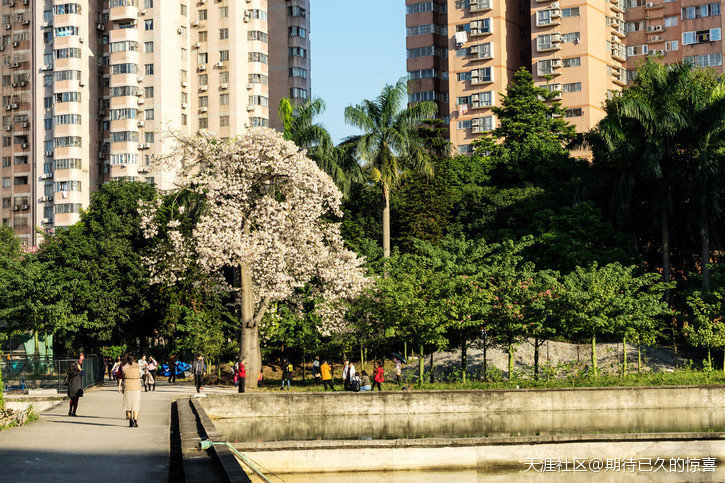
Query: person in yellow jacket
(326, 371)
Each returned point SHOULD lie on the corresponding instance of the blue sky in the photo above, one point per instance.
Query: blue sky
(356, 47)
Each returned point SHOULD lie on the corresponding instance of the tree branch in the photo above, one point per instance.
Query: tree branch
(265, 304)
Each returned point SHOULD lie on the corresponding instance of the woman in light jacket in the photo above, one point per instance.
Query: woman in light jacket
(131, 390)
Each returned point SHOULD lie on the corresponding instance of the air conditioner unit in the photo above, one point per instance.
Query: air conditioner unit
(556, 62)
(143, 169)
(26, 22)
(2, 47)
(100, 26)
(49, 153)
(15, 44)
(202, 2)
(556, 37)
(141, 100)
(16, 65)
(658, 28)
(246, 124)
(49, 198)
(224, 86)
(179, 31)
(14, 84)
(47, 67)
(555, 13)
(8, 127)
(16, 207)
(11, 4)
(47, 176)
(140, 124)
(80, 39)
(204, 88)
(554, 5)
(202, 67)
(195, 23)
(250, 107)
(24, 145)
(24, 124)
(655, 37)
(196, 45)
(220, 64)
(139, 78)
(25, 2)
(184, 84)
(81, 83)
(247, 18)
(184, 105)
(47, 24)
(22, 83)
(8, 26)
(8, 107)
(142, 11)
(24, 207)
(14, 106)
(250, 86)
(203, 109)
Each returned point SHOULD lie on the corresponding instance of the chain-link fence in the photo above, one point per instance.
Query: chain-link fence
(21, 373)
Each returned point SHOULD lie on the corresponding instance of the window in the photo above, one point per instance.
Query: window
(298, 72)
(464, 124)
(701, 36)
(257, 57)
(573, 87)
(296, 92)
(124, 137)
(426, 7)
(149, 137)
(482, 75)
(257, 14)
(6, 183)
(574, 112)
(572, 62)
(543, 17)
(67, 97)
(71, 53)
(223, 34)
(704, 60)
(148, 92)
(120, 114)
(203, 79)
(117, 159)
(126, 46)
(463, 76)
(184, 97)
(6, 161)
(570, 12)
(148, 3)
(203, 36)
(67, 142)
(66, 8)
(224, 56)
(184, 119)
(149, 114)
(184, 10)
(463, 100)
(257, 35)
(149, 69)
(66, 119)
(637, 50)
(296, 12)
(543, 42)
(223, 12)
(20, 180)
(224, 77)
(296, 32)
(701, 11)
(124, 69)
(72, 163)
(202, 58)
(425, 52)
(571, 37)
(202, 15)
(259, 101)
(258, 79)
(224, 99)
(223, 121)
(148, 24)
(482, 99)
(148, 47)
(260, 122)
(671, 45)
(543, 67)
(67, 208)
(297, 52)
(203, 123)
(670, 21)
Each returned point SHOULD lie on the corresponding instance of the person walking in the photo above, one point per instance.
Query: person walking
(198, 368)
(326, 372)
(75, 386)
(398, 370)
(143, 368)
(130, 385)
(172, 368)
(151, 374)
(286, 373)
(241, 374)
(116, 367)
(316, 370)
(378, 377)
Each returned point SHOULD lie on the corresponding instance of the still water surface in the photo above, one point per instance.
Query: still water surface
(475, 425)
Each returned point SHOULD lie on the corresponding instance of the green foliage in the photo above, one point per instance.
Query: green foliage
(706, 328)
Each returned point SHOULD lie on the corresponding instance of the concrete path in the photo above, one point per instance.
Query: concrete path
(96, 445)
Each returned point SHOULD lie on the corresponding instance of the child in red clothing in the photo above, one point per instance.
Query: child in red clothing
(378, 377)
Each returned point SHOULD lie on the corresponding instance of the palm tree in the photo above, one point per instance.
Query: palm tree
(389, 143)
(300, 128)
(707, 135)
(636, 143)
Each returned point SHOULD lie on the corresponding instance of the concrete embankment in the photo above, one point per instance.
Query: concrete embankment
(494, 453)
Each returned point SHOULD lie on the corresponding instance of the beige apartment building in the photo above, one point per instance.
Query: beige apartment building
(91, 88)
(584, 50)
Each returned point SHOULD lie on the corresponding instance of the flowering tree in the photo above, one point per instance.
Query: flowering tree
(264, 215)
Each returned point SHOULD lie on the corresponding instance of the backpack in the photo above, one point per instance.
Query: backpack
(355, 385)
(290, 368)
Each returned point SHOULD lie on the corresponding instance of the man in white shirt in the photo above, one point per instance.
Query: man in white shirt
(143, 367)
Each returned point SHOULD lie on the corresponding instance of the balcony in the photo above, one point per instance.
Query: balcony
(120, 14)
(480, 5)
(619, 53)
(653, 5)
(617, 6)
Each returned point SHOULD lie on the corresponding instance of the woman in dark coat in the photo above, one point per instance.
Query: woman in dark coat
(75, 386)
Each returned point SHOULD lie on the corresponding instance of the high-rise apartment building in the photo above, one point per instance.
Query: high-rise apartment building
(90, 88)
(289, 55)
(582, 50)
(461, 54)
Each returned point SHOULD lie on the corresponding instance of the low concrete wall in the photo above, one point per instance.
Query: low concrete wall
(517, 456)
(481, 401)
(40, 404)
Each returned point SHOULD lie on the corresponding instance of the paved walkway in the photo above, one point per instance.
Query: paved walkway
(96, 445)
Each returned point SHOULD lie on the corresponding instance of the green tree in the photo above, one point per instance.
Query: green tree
(706, 328)
(389, 143)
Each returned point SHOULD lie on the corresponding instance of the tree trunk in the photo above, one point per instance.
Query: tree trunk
(249, 344)
(594, 354)
(665, 229)
(536, 358)
(432, 379)
(464, 361)
(485, 362)
(421, 366)
(362, 358)
(624, 352)
(705, 245)
(511, 360)
(386, 220)
(639, 356)
(304, 368)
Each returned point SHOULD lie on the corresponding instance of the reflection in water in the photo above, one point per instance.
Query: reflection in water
(472, 425)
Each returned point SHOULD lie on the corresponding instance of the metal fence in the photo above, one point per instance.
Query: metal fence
(21, 373)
